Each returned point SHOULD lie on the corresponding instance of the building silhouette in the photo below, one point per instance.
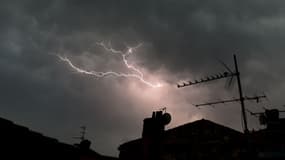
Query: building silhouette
(269, 143)
(203, 140)
(18, 142)
(198, 140)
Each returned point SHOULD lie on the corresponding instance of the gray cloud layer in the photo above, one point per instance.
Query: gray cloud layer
(182, 39)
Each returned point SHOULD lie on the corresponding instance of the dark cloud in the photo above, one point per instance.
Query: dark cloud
(181, 40)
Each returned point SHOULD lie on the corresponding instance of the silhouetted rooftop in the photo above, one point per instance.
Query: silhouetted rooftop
(19, 142)
(182, 131)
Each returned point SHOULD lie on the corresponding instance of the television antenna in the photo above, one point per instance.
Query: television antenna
(227, 74)
(82, 132)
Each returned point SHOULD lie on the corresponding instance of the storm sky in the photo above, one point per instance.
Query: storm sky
(181, 40)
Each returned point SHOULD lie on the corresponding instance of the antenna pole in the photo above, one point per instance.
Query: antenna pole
(83, 132)
(241, 95)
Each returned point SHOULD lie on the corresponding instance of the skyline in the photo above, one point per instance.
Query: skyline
(181, 40)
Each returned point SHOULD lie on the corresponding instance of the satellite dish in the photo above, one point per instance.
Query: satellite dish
(166, 118)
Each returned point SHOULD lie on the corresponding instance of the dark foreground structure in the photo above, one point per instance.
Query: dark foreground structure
(18, 142)
(203, 139)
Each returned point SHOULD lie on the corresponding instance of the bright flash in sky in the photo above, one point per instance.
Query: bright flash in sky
(136, 72)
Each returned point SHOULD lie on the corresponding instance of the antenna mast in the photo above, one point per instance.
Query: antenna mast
(241, 95)
(241, 98)
(82, 132)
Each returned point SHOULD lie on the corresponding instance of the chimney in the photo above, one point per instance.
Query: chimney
(153, 128)
(155, 125)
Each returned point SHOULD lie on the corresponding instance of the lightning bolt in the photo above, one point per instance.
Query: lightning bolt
(137, 74)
